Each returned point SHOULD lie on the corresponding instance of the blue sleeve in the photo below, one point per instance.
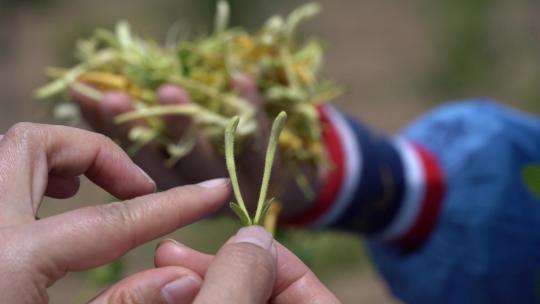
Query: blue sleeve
(486, 246)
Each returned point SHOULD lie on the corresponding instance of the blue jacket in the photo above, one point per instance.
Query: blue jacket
(446, 213)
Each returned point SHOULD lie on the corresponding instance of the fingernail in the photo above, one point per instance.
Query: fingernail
(255, 235)
(212, 183)
(162, 242)
(182, 290)
(154, 186)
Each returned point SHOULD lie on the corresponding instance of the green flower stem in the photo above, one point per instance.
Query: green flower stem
(87, 91)
(263, 203)
(277, 127)
(184, 109)
(231, 166)
(239, 103)
(198, 113)
(222, 16)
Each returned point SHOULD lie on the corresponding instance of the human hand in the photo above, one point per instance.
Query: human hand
(250, 268)
(38, 160)
(203, 162)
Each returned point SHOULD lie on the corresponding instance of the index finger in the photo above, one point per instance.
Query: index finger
(30, 152)
(92, 236)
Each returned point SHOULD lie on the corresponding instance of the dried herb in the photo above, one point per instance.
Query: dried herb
(285, 69)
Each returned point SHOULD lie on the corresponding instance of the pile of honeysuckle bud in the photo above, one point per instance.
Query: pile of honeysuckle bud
(286, 71)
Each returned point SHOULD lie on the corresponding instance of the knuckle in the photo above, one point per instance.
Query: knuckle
(104, 140)
(125, 296)
(23, 131)
(185, 194)
(117, 214)
(22, 127)
(94, 138)
(26, 138)
(118, 219)
(103, 145)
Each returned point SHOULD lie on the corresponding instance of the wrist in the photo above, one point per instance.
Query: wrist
(336, 178)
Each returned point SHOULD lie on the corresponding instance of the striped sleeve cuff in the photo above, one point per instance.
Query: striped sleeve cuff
(422, 199)
(389, 190)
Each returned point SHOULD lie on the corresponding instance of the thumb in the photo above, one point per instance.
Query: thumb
(170, 285)
(243, 271)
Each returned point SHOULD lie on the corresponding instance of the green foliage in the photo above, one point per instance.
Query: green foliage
(463, 38)
(531, 178)
(107, 274)
(325, 252)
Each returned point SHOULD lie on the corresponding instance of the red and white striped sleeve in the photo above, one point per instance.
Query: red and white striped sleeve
(389, 189)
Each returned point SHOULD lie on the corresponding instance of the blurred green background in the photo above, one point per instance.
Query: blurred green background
(397, 59)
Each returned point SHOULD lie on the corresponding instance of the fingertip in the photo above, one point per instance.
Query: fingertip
(114, 103)
(151, 186)
(220, 187)
(166, 252)
(245, 269)
(258, 236)
(171, 95)
(161, 285)
(171, 253)
(215, 183)
(246, 87)
(90, 109)
(241, 82)
(62, 187)
(112, 169)
(168, 243)
(134, 181)
(182, 290)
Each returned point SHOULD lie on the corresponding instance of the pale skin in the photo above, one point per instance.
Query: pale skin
(42, 160)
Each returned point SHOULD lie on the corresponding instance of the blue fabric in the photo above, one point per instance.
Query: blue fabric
(486, 246)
